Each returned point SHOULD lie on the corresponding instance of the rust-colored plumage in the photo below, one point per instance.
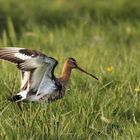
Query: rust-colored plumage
(38, 82)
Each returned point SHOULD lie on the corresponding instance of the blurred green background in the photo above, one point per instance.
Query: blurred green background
(53, 13)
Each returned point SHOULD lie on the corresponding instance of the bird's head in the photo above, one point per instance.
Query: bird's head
(73, 65)
(71, 62)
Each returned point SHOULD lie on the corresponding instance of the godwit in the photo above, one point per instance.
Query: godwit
(38, 82)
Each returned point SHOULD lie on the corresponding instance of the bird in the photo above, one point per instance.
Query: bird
(38, 82)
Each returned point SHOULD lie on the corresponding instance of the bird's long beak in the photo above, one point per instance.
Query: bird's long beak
(82, 70)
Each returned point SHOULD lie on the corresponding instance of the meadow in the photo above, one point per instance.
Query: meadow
(104, 38)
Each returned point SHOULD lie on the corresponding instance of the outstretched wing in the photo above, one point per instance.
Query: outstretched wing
(33, 65)
(16, 56)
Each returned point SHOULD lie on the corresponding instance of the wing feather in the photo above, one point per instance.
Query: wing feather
(19, 54)
(11, 54)
(40, 74)
(33, 65)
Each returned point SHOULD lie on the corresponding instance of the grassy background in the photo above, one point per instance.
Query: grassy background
(104, 37)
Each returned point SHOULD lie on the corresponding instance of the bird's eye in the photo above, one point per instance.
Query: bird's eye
(73, 62)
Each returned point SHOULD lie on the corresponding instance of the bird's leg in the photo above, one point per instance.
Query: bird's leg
(19, 106)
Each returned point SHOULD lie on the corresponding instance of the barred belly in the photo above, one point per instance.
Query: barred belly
(52, 96)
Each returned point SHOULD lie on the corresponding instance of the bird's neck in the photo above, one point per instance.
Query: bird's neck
(65, 75)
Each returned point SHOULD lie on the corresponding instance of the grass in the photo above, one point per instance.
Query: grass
(104, 39)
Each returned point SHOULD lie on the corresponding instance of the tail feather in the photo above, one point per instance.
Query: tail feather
(15, 98)
(19, 97)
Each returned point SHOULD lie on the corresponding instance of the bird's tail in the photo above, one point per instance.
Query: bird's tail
(15, 98)
(19, 97)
